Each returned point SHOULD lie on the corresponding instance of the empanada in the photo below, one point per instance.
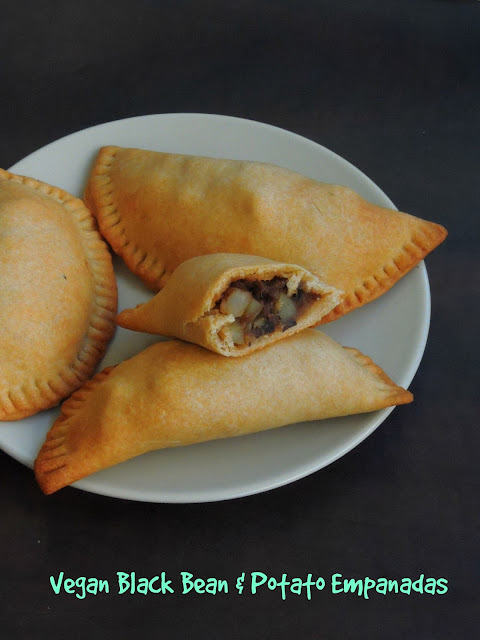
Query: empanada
(58, 295)
(159, 209)
(175, 393)
(233, 303)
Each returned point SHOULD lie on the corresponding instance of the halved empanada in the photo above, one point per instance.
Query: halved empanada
(58, 295)
(175, 393)
(233, 303)
(159, 209)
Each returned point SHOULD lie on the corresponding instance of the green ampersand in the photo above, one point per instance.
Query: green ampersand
(240, 581)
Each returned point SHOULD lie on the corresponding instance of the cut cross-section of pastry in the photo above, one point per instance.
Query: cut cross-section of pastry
(58, 295)
(234, 304)
(175, 394)
(159, 209)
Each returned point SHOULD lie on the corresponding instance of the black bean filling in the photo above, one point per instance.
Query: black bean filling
(268, 293)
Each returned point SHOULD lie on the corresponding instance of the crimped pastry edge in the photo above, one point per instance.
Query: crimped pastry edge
(39, 395)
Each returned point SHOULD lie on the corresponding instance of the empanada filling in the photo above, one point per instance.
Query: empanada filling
(261, 307)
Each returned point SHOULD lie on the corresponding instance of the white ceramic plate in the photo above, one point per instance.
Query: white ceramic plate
(392, 330)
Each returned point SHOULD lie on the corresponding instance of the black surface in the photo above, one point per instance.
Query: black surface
(392, 86)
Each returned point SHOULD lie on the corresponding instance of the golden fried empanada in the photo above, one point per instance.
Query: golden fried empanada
(159, 209)
(233, 303)
(175, 393)
(58, 295)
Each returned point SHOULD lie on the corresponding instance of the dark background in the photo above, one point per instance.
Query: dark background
(393, 87)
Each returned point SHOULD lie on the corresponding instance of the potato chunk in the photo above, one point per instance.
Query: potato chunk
(253, 309)
(286, 308)
(236, 331)
(235, 301)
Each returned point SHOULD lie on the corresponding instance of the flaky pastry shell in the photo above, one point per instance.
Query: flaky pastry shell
(58, 295)
(175, 393)
(188, 307)
(159, 209)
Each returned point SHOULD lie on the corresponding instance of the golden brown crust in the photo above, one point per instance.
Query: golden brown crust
(184, 308)
(176, 394)
(158, 210)
(58, 295)
(426, 237)
(100, 197)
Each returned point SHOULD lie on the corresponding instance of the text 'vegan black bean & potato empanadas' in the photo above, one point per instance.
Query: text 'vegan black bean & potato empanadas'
(175, 394)
(159, 209)
(58, 295)
(233, 303)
